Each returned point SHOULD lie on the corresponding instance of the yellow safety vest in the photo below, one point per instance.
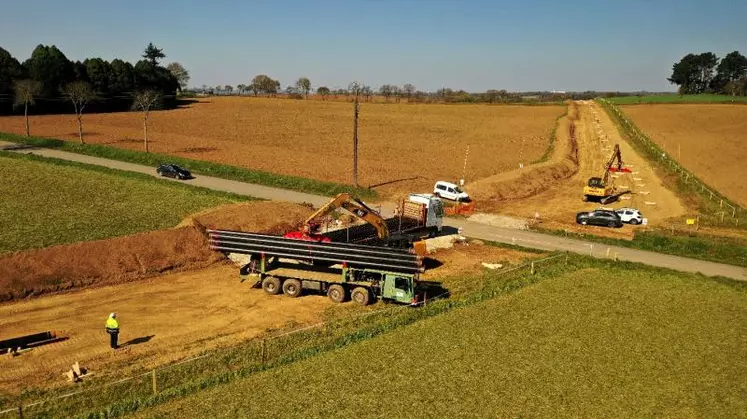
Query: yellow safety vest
(112, 323)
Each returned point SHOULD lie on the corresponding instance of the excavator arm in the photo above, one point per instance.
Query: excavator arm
(614, 164)
(355, 207)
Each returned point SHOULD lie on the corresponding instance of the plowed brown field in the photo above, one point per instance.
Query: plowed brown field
(313, 139)
(709, 140)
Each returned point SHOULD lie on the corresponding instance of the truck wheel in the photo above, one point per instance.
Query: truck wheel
(361, 296)
(271, 285)
(292, 288)
(336, 293)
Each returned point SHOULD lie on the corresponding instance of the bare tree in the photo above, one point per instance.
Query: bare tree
(145, 101)
(397, 92)
(181, 74)
(355, 89)
(408, 89)
(241, 88)
(80, 94)
(386, 91)
(25, 92)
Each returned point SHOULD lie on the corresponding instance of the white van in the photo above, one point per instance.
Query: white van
(447, 190)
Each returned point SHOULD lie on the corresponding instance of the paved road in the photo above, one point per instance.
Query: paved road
(471, 229)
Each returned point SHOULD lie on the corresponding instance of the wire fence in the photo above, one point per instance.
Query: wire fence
(726, 207)
(225, 364)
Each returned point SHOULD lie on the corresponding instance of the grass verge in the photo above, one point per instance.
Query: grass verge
(553, 137)
(675, 98)
(730, 251)
(201, 167)
(50, 201)
(607, 340)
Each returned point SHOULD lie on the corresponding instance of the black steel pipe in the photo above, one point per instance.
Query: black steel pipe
(302, 244)
(312, 253)
(384, 266)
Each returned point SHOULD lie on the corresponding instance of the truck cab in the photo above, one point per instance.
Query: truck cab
(399, 288)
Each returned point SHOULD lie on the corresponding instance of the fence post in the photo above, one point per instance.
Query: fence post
(263, 351)
(591, 250)
(155, 386)
(608, 252)
(20, 411)
(532, 269)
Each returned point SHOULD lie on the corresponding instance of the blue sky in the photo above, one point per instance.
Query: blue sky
(471, 45)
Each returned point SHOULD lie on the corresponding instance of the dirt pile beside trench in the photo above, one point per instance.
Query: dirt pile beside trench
(523, 183)
(139, 256)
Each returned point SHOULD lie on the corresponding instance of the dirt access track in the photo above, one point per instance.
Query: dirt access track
(558, 201)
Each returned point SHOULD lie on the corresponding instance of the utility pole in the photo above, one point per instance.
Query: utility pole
(355, 90)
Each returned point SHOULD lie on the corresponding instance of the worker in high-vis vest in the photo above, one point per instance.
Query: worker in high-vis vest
(112, 328)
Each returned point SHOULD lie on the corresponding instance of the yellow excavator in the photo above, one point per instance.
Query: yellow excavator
(598, 189)
(309, 229)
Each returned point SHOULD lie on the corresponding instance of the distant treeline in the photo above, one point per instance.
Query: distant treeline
(264, 85)
(114, 83)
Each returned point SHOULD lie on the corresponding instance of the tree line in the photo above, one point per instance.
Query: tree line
(45, 80)
(264, 85)
(706, 73)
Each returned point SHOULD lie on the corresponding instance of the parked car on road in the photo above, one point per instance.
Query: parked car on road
(173, 171)
(447, 190)
(630, 215)
(603, 218)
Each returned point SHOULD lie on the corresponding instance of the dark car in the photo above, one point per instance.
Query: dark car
(599, 218)
(173, 171)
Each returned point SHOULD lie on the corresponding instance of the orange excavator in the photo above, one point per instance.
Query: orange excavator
(598, 189)
(309, 230)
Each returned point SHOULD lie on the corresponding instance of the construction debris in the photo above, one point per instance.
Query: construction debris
(76, 373)
(492, 265)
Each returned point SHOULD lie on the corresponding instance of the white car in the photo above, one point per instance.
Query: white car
(630, 215)
(447, 190)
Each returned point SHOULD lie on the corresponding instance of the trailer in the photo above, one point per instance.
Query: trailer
(341, 270)
(419, 217)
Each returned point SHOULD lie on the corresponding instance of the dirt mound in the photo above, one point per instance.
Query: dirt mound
(523, 183)
(265, 217)
(131, 258)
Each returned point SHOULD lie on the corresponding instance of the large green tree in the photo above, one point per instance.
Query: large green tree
(122, 78)
(264, 84)
(49, 66)
(303, 85)
(153, 54)
(732, 68)
(10, 70)
(99, 73)
(694, 73)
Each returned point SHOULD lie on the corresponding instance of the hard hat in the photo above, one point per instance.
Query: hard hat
(113, 315)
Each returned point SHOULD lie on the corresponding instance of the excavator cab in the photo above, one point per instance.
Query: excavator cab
(596, 182)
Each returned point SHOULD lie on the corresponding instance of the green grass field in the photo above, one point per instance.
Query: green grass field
(675, 98)
(201, 167)
(44, 202)
(604, 341)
